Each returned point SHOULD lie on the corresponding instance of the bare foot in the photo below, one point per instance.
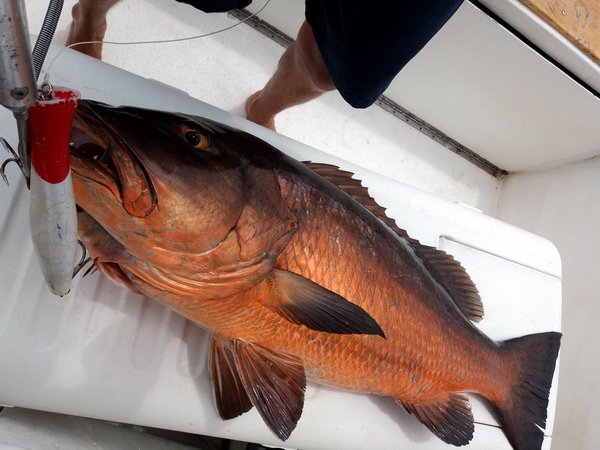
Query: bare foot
(253, 116)
(85, 29)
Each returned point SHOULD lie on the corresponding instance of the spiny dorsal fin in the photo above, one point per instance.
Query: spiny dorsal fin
(448, 272)
(449, 417)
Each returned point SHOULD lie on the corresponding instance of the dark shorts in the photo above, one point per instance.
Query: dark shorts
(217, 5)
(364, 43)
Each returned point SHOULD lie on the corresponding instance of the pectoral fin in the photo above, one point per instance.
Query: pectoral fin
(448, 417)
(304, 302)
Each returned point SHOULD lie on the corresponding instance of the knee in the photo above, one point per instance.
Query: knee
(308, 59)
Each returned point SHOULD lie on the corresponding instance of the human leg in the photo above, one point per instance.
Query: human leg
(89, 24)
(301, 76)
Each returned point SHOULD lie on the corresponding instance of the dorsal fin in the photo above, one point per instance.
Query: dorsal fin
(448, 272)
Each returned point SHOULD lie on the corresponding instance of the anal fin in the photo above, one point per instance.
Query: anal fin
(303, 302)
(449, 417)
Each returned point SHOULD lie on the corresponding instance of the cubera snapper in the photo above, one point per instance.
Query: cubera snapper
(297, 274)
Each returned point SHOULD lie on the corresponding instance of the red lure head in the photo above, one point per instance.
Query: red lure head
(49, 128)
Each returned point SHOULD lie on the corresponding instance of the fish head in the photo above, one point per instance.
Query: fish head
(162, 184)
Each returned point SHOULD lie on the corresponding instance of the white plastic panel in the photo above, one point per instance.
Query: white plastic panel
(105, 353)
(548, 39)
(564, 205)
(478, 83)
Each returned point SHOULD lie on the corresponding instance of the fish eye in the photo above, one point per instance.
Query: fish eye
(195, 138)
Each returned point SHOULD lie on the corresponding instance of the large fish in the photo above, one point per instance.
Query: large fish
(297, 274)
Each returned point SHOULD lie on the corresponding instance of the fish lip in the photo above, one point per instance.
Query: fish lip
(87, 167)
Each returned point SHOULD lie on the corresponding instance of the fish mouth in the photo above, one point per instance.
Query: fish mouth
(101, 156)
(92, 162)
(116, 168)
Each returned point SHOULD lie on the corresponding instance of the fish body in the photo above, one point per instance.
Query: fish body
(297, 274)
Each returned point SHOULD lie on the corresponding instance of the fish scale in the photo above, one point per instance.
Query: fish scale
(350, 361)
(369, 288)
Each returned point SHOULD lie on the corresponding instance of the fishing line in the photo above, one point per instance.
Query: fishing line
(163, 41)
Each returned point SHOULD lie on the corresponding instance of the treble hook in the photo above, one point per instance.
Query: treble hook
(92, 269)
(14, 159)
(83, 260)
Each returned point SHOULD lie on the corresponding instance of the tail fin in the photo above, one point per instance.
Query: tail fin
(524, 410)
